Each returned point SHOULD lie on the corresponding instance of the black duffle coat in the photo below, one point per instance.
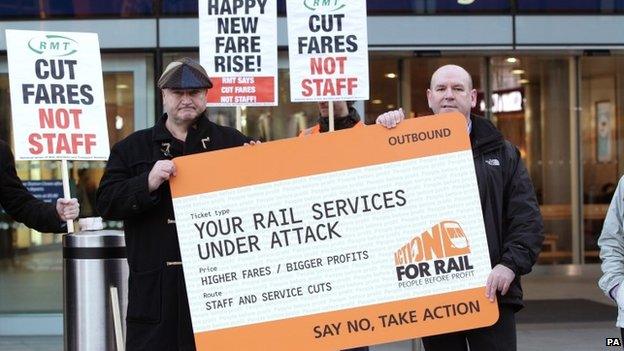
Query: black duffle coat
(158, 315)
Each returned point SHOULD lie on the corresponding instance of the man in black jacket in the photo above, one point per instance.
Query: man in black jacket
(134, 189)
(24, 207)
(513, 222)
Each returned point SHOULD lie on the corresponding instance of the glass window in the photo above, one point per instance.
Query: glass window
(581, 6)
(92, 8)
(31, 262)
(539, 125)
(602, 95)
(281, 7)
(286, 120)
(179, 7)
(437, 6)
(23, 9)
(74, 8)
(189, 7)
(385, 76)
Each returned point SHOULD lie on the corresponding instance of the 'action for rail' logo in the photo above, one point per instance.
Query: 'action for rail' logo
(444, 249)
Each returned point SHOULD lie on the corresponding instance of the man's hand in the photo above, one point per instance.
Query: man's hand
(252, 143)
(499, 279)
(160, 173)
(67, 209)
(390, 119)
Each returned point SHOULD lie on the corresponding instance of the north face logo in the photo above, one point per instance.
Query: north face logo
(493, 162)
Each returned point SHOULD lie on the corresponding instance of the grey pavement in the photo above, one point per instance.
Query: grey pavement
(568, 337)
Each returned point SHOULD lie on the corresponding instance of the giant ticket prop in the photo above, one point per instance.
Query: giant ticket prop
(336, 240)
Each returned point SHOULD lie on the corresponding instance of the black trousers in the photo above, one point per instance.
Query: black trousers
(499, 337)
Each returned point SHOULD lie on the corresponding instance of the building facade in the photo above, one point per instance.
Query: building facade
(549, 73)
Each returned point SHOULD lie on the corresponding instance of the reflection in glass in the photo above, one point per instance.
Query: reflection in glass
(570, 6)
(540, 128)
(76, 8)
(286, 120)
(384, 77)
(601, 96)
(438, 6)
(189, 7)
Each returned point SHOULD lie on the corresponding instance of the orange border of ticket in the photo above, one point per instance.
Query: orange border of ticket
(316, 154)
(298, 333)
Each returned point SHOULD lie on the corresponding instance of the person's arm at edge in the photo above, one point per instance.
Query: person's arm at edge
(611, 243)
(20, 204)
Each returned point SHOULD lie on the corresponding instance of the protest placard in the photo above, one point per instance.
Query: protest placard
(383, 241)
(328, 50)
(238, 48)
(57, 96)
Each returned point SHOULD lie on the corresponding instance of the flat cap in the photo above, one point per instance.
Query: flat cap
(184, 73)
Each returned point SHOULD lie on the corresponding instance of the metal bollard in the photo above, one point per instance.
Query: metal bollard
(95, 277)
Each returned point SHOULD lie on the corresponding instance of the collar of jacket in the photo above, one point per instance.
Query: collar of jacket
(200, 127)
(484, 136)
(345, 122)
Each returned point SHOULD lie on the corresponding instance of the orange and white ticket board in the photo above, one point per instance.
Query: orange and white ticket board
(284, 248)
(57, 96)
(238, 48)
(328, 50)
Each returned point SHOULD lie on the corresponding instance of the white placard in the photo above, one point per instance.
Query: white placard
(238, 49)
(328, 50)
(57, 96)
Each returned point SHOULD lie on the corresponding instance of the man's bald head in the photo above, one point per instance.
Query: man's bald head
(451, 91)
(459, 71)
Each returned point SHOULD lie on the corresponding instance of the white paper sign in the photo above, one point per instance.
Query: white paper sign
(328, 50)
(238, 49)
(57, 96)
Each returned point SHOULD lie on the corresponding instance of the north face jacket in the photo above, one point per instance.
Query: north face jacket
(513, 222)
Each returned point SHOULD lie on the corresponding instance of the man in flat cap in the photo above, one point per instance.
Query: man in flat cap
(134, 189)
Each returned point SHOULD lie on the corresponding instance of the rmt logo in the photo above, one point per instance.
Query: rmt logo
(327, 5)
